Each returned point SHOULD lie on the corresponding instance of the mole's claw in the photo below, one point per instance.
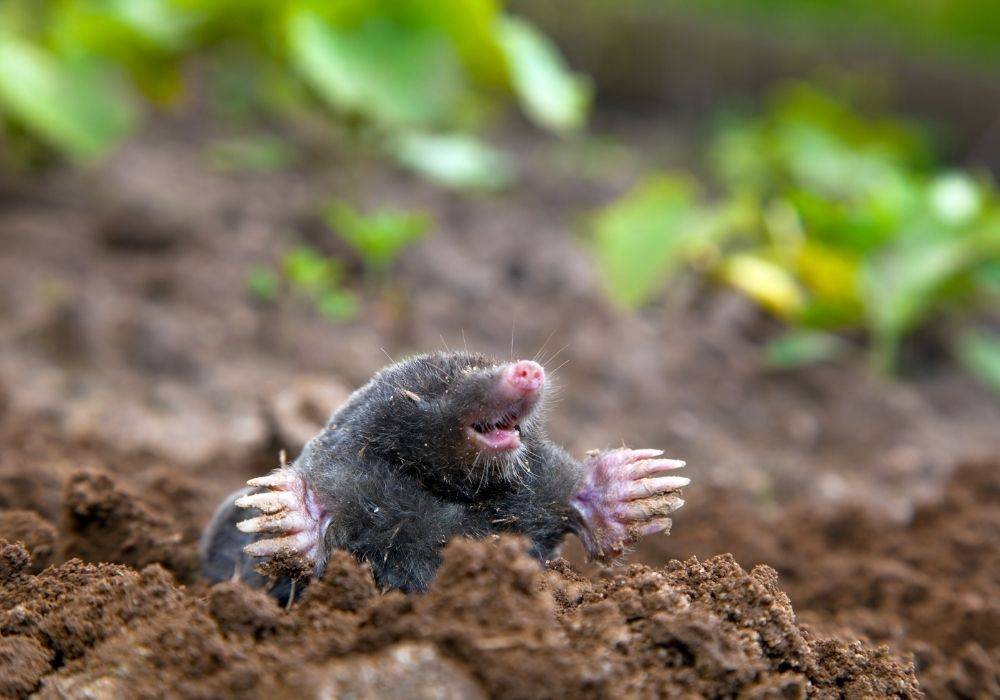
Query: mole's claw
(291, 513)
(623, 497)
(654, 526)
(641, 488)
(635, 455)
(287, 522)
(269, 501)
(280, 479)
(649, 467)
(649, 508)
(299, 543)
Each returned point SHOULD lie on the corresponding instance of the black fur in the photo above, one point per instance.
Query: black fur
(396, 471)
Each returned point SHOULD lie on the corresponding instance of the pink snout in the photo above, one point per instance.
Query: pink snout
(523, 377)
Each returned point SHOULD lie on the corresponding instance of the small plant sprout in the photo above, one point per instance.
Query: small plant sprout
(378, 238)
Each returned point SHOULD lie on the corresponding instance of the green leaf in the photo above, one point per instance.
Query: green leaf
(69, 105)
(262, 283)
(955, 198)
(453, 160)
(640, 240)
(161, 22)
(338, 305)
(979, 352)
(309, 271)
(380, 237)
(396, 74)
(801, 348)
(905, 283)
(255, 153)
(551, 96)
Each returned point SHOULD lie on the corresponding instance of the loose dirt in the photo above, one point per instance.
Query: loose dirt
(880, 609)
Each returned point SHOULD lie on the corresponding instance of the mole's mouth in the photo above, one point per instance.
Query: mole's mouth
(499, 435)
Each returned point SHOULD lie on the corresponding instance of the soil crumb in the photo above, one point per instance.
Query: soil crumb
(38, 536)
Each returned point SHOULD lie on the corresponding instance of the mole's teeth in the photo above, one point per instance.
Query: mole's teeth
(269, 502)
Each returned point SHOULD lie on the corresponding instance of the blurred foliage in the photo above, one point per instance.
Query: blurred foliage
(307, 273)
(980, 353)
(318, 277)
(800, 347)
(453, 160)
(967, 28)
(378, 238)
(410, 70)
(260, 153)
(832, 221)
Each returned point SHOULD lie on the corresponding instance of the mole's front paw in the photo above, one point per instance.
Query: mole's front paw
(292, 516)
(624, 497)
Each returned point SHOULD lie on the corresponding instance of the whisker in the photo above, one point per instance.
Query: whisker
(555, 354)
(544, 345)
(564, 363)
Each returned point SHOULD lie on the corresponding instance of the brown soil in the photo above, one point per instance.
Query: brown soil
(496, 625)
(929, 587)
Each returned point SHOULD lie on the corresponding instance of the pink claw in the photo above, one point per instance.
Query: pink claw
(291, 513)
(623, 497)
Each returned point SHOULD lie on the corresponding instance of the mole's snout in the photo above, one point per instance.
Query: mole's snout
(523, 378)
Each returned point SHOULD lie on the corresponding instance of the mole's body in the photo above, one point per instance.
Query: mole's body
(438, 446)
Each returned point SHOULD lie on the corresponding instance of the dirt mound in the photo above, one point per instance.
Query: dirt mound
(492, 625)
(928, 587)
(105, 523)
(95, 605)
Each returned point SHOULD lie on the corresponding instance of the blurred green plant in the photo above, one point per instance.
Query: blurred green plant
(309, 274)
(967, 28)
(980, 353)
(378, 238)
(259, 153)
(410, 70)
(832, 221)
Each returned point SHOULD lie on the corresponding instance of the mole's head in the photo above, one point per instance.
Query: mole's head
(459, 416)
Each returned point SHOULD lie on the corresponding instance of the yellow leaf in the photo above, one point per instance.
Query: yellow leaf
(767, 283)
(829, 274)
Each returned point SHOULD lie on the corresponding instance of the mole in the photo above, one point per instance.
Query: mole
(437, 446)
